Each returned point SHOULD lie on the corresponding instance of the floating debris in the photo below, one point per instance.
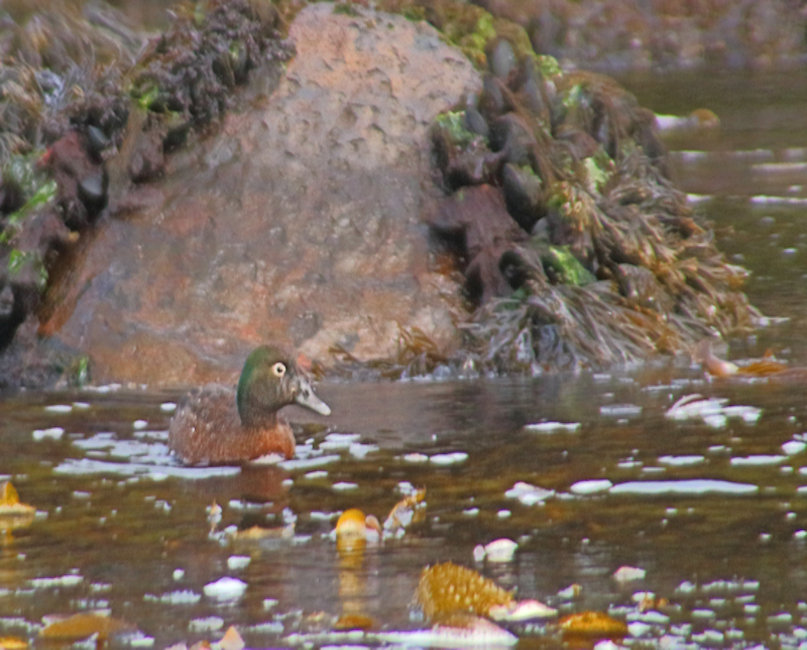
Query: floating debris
(693, 487)
(237, 562)
(225, 589)
(793, 447)
(448, 588)
(682, 461)
(452, 458)
(206, 624)
(69, 580)
(11, 506)
(51, 433)
(59, 408)
(592, 625)
(179, 597)
(629, 574)
(405, 512)
(529, 495)
(354, 622)
(757, 459)
(499, 550)
(339, 441)
(465, 631)
(552, 427)
(590, 486)
(523, 610)
(83, 626)
(713, 410)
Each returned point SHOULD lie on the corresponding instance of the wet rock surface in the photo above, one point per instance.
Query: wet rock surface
(298, 221)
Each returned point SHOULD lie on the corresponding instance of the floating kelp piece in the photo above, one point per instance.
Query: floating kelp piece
(592, 625)
(84, 625)
(448, 588)
(10, 504)
(405, 512)
(354, 622)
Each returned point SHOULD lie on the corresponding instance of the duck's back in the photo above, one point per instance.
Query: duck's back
(206, 428)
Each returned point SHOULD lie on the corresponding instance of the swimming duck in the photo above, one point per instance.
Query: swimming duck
(216, 425)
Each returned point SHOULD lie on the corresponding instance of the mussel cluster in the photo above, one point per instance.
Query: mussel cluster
(576, 248)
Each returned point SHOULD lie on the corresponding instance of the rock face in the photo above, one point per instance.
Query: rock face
(298, 221)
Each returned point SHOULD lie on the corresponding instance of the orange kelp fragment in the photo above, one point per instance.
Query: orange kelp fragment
(447, 588)
(12, 643)
(354, 622)
(231, 640)
(10, 504)
(763, 368)
(404, 512)
(84, 625)
(592, 625)
(354, 523)
(354, 529)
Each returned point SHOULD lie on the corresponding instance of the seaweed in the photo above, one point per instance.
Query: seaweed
(577, 249)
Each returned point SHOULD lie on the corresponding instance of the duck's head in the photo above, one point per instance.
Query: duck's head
(269, 381)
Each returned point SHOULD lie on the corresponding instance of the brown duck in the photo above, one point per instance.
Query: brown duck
(216, 425)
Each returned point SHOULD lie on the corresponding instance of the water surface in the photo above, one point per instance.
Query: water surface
(711, 506)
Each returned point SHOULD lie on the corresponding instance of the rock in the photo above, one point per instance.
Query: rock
(298, 221)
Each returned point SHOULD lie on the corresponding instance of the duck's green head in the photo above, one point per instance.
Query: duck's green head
(269, 381)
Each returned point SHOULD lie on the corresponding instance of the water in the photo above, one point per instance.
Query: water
(713, 507)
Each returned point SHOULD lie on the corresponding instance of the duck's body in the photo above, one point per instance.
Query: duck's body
(218, 425)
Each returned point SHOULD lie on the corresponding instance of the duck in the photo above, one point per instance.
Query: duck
(216, 425)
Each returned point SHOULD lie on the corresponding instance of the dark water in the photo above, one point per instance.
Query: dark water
(712, 507)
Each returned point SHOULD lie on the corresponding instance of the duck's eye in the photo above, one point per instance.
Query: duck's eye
(279, 369)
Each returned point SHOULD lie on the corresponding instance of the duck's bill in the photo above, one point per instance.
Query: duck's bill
(306, 397)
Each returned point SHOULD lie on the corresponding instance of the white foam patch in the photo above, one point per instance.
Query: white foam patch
(85, 466)
(552, 427)
(307, 463)
(757, 459)
(590, 486)
(527, 494)
(452, 458)
(693, 487)
(179, 597)
(225, 588)
(51, 433)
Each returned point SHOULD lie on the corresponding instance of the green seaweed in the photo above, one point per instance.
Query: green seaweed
(548, 65)
(452, 124)
(599, 170)
(20, 262)
(45, 193)
(564, 267)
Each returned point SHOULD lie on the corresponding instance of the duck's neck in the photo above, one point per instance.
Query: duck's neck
(251, 419)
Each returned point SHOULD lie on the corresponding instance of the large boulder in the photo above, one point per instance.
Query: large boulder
(297, 221)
